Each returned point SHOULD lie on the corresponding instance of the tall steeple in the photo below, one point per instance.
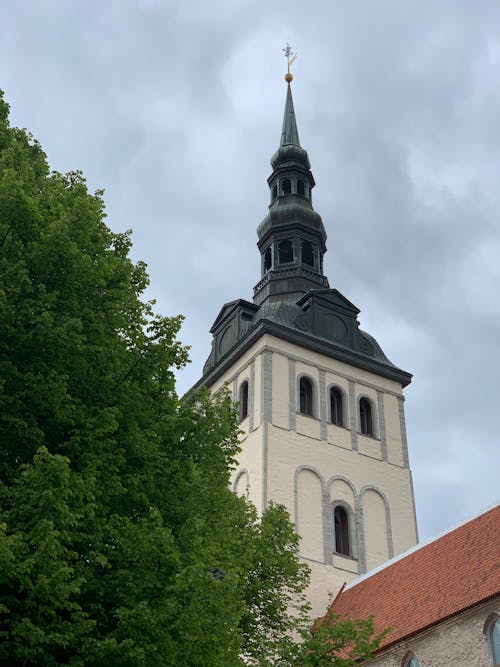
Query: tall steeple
(321, 406)
(291, 236)
(293, 298)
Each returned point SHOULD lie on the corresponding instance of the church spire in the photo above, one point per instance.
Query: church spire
(292, 236)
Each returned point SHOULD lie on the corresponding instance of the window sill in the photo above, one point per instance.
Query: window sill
(371, 437)
(303, 414)
(337, 553)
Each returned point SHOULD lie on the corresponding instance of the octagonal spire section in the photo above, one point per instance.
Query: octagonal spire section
(292, 237)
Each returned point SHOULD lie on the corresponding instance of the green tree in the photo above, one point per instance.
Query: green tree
(338, 642)
(120, 542)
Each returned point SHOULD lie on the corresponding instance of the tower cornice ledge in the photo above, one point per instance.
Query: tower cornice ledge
(218, 364)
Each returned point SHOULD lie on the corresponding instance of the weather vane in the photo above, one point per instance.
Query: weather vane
(290, 59)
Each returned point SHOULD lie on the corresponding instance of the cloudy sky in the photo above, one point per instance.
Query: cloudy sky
(175, 109)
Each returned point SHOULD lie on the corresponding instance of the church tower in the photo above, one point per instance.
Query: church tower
(321, 406)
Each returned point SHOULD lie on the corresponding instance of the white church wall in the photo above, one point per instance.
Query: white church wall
(298, 460)
(246, 478)
(339, 436)
(280, 391)
(329, 365)
(308, 426)
(375, 525)
(340, 489)
(369, 446)
(241, 484)
(309, 519)
(393, 430)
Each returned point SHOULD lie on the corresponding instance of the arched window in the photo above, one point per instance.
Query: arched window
(306, 396)
(494, 640)
(342, 541)
(300, 188)
(365, 417)
(244, 401)
(307, 253)
(268, 259)
(275, 191)
(285, 252)
(410, 660)
(336, 407)
(286, 186)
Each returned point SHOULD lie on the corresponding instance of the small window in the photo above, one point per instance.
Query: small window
(306, 396)
(300, 188)
(268, 258)
(275, 191)
(285, 252)
(336, 407)
(494, 641)
(410, 660)
(244, 401)
(307, 253)
(365, 417)
(286, 186)
(342, 542)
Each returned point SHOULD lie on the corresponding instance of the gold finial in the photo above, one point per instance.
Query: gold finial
(290, 59)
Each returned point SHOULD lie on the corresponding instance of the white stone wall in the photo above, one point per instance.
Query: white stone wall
(457, 642)
(307, 463)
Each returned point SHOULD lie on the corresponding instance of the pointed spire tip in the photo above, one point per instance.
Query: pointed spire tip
(289, 133)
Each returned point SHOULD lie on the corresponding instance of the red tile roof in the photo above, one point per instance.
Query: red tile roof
(431, 583)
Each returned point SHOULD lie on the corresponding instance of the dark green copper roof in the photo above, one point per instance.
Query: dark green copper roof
(289, 132)
(323, 320)
(290, 151)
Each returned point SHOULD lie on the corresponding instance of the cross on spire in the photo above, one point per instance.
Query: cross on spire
(290, 59)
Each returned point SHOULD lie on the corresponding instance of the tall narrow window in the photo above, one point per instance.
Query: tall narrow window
(286, 186)
(244, 401)
(285, 252)
(494, 641)
(300, 188)
(365, 417)
(306, 396)
(268, 257)
(342, 542)
(336, 407)
(275, 192)
(307, 253)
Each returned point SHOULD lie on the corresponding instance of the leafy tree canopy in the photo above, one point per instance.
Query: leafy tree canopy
(338, 642)
(120, 542)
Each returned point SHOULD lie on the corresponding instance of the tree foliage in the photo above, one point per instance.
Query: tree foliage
(120, 542)
(338, 642)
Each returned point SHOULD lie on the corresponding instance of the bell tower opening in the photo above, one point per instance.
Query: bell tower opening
(307, 253)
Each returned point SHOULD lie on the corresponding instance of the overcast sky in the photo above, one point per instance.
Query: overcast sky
(175, 109)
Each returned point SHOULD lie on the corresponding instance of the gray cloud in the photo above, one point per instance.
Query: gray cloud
(175, 109)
